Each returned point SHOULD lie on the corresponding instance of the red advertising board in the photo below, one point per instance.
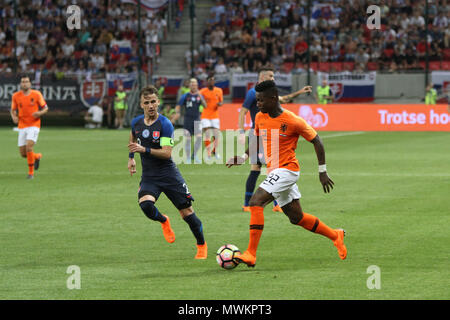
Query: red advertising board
(357, 117)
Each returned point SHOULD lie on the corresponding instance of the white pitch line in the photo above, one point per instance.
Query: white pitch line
(228, 173)
(343, 134)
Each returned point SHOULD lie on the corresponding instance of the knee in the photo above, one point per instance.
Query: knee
(295, 218)
(148, 207)
(255, 202)
(186, 211)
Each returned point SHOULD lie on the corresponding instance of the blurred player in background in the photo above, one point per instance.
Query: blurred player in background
(120, 106)
(430, 95)
(210, 115)
(152, 136)
(255, 161)
(280, 130)
(324, 94)
(191, 102)
(27, 108)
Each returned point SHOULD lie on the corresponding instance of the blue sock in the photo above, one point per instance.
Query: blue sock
(275, 203)
(250, 185)
(196, 227)
(148, 207)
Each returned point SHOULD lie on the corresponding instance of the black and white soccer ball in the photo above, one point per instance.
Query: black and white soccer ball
(226, 256)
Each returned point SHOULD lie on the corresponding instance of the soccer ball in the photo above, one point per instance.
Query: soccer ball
(225, 256)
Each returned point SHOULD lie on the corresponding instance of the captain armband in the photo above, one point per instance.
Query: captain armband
(166, 141)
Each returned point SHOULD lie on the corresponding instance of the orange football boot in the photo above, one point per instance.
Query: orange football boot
(339, 244)
(277, 208)
(37, 160)
(202, 251)
(247, 258)
(168, 233)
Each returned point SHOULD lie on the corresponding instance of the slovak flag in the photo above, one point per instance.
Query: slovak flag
(118, 47)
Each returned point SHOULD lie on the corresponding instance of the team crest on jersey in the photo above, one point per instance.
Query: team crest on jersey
(146, 133)
(283, 127)
(155, 135)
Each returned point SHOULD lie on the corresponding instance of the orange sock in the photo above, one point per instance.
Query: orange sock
(207, 143)
(256, 228)
(313, 224)
(37, 156)
(30, 160)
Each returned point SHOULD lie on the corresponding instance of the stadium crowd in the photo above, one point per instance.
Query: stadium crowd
(241, 36)
(45, 43)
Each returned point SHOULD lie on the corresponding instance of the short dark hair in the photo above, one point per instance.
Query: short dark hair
(264, 69)
(268, 87)
(24, 75)
(148, 90)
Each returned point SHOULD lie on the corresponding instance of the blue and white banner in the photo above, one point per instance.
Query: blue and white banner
(441, 81)
(242, 82)
(149, 4)
(116, 79)
(120, 46)
(350, 87)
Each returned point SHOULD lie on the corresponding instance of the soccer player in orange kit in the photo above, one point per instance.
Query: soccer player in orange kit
(210, 116)
(279, 130)
(27, 108)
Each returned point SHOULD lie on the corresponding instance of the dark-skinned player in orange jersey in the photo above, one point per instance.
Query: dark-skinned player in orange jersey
(278, 130)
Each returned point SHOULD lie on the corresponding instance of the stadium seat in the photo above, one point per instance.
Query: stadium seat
(446, 54)
(434, 65)
(372, 66)
(322, 67)
(77, 54)
(388, 52)
(288, 66)
(348, 66)
(338, 66)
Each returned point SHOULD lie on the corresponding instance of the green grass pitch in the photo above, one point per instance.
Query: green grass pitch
(391, 195)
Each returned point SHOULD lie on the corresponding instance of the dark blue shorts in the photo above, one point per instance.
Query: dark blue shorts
(174, 187)
(192, 125)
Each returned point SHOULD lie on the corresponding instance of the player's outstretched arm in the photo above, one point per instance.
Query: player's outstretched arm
(289, 97)
(325, 180)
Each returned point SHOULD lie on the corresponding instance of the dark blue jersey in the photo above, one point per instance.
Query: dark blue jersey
(191, 103)
(250, 104)
(160, 133)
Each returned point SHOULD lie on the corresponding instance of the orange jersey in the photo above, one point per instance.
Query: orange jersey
(212, 98)
(280, 136)
(27, 105)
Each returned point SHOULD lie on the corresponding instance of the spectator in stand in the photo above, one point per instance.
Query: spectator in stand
(218, 41)
(301, 47)
(362, 58)
(220, 67)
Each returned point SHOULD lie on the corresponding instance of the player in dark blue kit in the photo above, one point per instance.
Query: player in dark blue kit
(193, 102)
(249, 104)
(152, 137)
